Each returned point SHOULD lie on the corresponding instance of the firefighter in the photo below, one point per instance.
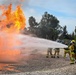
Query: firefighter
(49, 53)
(75, 53)
(66, 50)
(74, 50)
(56, 53)
(72, 53)
(73, 41)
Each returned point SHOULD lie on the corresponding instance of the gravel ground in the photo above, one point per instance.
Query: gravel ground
(38, 64)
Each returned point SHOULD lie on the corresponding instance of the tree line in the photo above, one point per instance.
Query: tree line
(49, 28)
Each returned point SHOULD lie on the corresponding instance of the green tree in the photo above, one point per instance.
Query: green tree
(49, 26)
(65, 33)
(75, 33)
(32, 24)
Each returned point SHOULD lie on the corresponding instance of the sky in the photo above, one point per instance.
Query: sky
(63, 10)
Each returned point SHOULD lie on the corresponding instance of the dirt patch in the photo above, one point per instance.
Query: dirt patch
(34, 62)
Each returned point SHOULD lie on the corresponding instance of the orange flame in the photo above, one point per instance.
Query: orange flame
(12, 20)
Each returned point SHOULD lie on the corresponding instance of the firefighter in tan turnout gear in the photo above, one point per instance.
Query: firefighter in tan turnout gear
(49, 53)
(56, 53)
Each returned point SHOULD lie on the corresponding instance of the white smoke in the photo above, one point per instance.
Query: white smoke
(11, 46)
(8, 52)
(6, 2)
(23, 3)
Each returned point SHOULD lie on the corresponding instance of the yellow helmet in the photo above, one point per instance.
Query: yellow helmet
(73, 41)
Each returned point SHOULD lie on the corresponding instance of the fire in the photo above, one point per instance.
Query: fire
(12, 20)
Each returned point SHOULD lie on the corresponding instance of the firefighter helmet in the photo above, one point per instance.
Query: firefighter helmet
(73, 41)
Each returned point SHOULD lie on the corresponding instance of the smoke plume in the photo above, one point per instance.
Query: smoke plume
(8, 50)
(24, 3)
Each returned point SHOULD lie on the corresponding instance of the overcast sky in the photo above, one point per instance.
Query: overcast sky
(64, 10)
